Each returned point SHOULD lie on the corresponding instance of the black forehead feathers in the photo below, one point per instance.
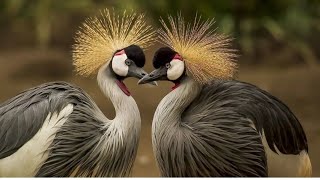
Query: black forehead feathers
(163, 56)
(135, 53)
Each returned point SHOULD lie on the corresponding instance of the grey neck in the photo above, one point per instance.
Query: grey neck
(117, 147)
(173, 104)
(127, 112)
(167, 118)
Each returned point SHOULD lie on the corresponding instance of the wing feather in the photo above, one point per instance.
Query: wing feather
(269, 115)
(22, 116)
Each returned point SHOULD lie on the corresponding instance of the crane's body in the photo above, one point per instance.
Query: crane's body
(56, 129)
(227, 128)
(211, 124)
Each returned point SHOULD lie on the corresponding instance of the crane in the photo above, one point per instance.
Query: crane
(56, 129)
(211, 124)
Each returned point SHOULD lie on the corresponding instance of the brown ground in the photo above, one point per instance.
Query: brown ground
(298, 87)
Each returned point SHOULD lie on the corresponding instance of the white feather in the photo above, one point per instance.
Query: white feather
(176, 69)
(26, 161)
(119, 66)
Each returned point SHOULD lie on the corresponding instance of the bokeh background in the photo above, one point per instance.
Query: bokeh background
(278, 43)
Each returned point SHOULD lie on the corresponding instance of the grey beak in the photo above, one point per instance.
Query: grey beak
(158, 74)
(139, 73)
(145, 79)
(143, 74)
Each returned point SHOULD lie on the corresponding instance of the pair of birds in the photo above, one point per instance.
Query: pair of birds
(208, 125)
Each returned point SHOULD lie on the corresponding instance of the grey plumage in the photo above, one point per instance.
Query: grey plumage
(61, 131)
(280, 126)
(216, 130)
(198, 140)
(87, 144)
(211, 127)
(79, 144)
(76, 145)
(22, 116)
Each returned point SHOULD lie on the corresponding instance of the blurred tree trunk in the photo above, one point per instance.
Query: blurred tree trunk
(42, 22)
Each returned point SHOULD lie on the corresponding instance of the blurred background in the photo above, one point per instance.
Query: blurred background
(278, 43)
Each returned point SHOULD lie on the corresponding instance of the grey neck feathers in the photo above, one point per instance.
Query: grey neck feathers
(167, 117)
(127, 112)
(127, 122)
(121, 135)
(173, 104)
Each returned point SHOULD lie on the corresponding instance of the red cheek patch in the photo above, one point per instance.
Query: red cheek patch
(119, 53)
(177, 56)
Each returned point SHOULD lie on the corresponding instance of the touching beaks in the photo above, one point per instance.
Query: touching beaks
(158, 74)
(137, 72)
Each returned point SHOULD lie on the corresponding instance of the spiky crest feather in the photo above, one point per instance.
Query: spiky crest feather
(207, 54)
(101, 36)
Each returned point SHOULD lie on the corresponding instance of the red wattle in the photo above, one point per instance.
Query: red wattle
(175, 86)
(123, 87)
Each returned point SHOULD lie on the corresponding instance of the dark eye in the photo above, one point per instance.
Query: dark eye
(128, 62)
(168, 65)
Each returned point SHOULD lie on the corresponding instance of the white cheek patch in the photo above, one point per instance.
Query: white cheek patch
(119, 66)
(176, 69)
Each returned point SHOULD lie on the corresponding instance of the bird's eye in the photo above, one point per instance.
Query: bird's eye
(168, 65)
(128, 62)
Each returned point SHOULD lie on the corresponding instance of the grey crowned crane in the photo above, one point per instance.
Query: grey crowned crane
(56, 129)
(211, 124)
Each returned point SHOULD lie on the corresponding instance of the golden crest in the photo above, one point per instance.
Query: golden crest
(101, 36)
(207, 55)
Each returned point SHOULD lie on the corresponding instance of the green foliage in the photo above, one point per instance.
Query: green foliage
(41, 14)
(289, 22)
